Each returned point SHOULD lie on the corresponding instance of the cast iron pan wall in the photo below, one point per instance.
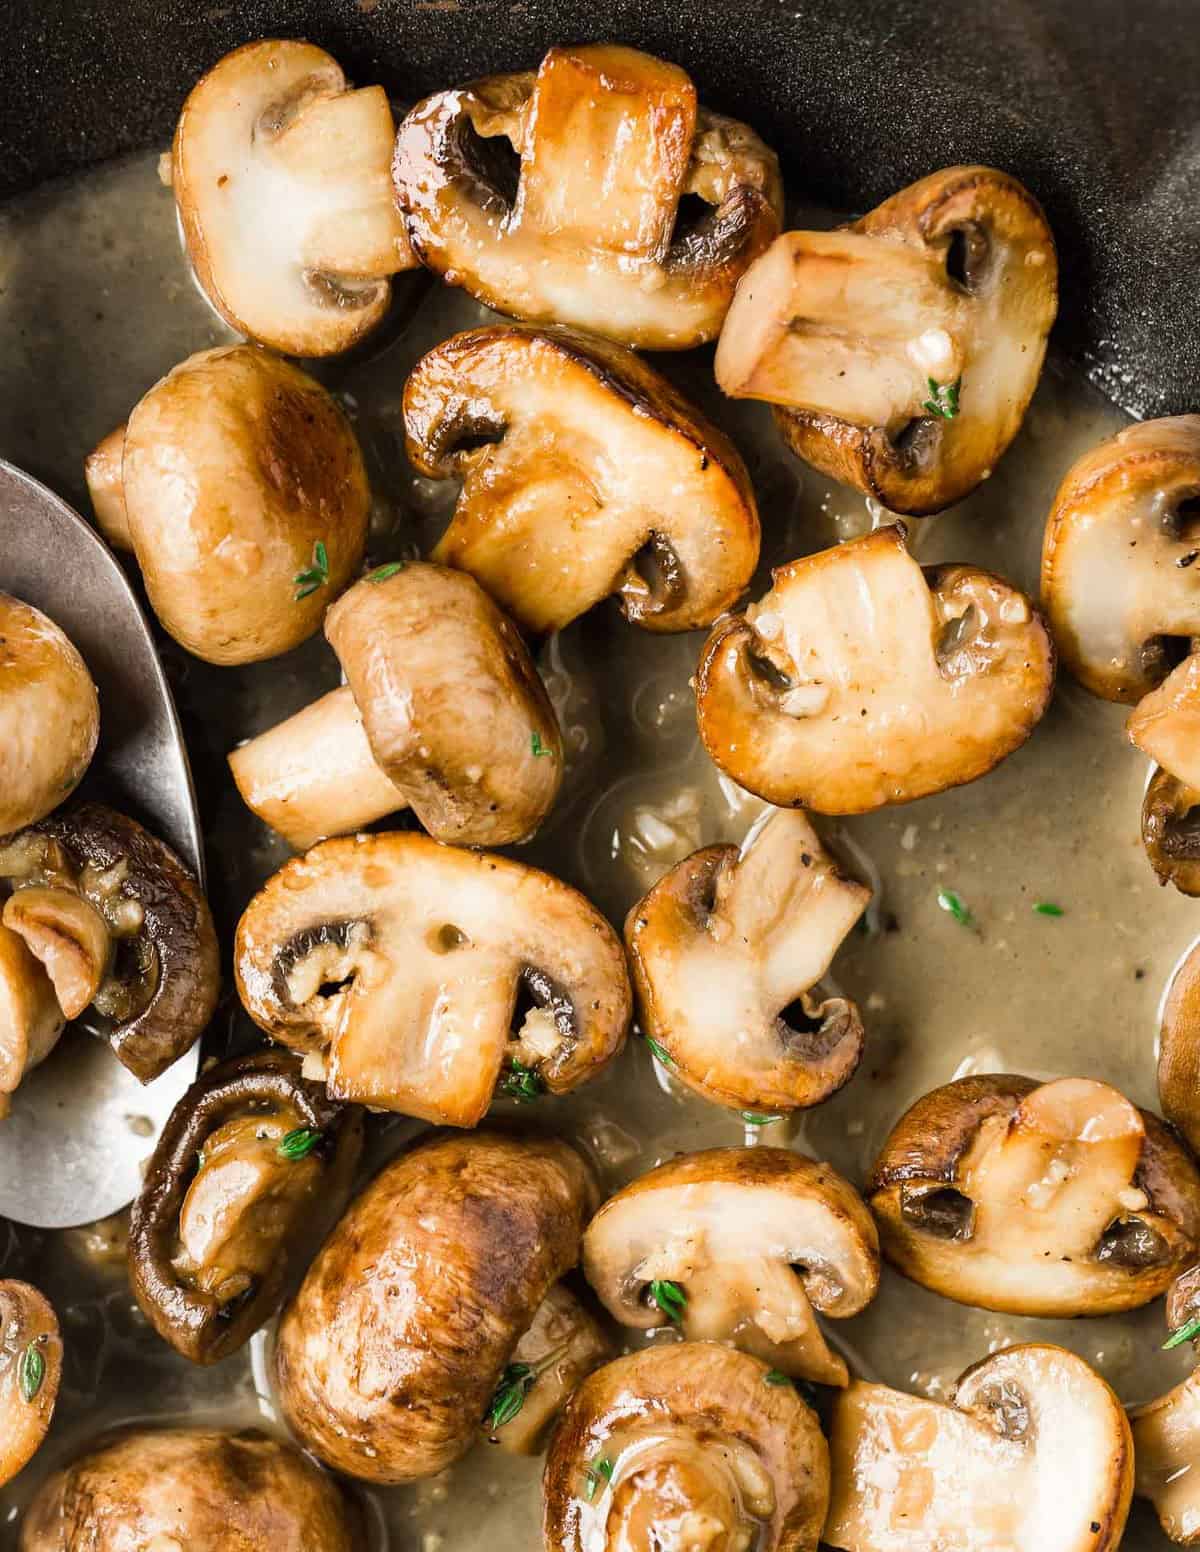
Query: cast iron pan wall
(1093, 103)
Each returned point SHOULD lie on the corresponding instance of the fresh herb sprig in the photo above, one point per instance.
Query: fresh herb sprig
(953, 903)
(515, 1384)
(660, 1052)
(538, 748)
(597, 1475)
(314, 576)
(522, 1083)
(670, 1298)
(1048, 908)
(298, 1144)
(31, 1372)
(757, 1118)
(382, 573)
(943, 398)
(777, 1377)
(1184, 1334)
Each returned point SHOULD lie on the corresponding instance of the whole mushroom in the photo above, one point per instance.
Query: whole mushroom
(443, 711)
(738, 1245)
(1050, 1199)
(590, 231)
(409, 1320)
(861, 680)
(242, 492)
(31, 1354)
(584, 474)
(902, 352)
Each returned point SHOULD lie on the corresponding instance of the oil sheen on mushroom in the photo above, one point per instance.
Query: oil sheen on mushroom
(31, 1354)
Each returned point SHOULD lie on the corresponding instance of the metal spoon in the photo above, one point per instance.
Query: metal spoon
(72, 1149)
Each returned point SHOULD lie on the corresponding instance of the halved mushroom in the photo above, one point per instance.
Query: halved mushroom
(1165, 724)
(194, 1488)
(584, 473)
(443, 711)
(30, 1017)
(861, 680)
(281, 175)
(1034, 1453)
(392, 1350)
(726, 950)
(590, 230)
(1179, 1050)
(246, 1177)
(751, 1240)
(30, 1368)
(1052, 1199)
(1119, 583)
(119, 925)
(902, 352)
(1171, 831)
(245, 500)
(691, 1445)
(49, 715)
(415, 974)
(1166, 1431)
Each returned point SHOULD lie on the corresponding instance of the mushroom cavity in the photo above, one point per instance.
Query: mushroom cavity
(901, 352)
(1053, 1199)
(408, 1321)
(117, 925)
(49, 715)
(1171, 831)
(193, 1488)
(30, 1368)
(443, 711)
(245, 500)
(861, 680)
(691, 1445)
(1033, 1453)
(282, 184)
(726, 950)
(752, 1241)
(556, 196)
(420, 976)
(584, 474)
(245, 1179)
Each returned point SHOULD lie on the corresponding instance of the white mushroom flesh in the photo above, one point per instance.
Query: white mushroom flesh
(68, 935)
(30, 1017)
(1166, 1443)
(1165, 724)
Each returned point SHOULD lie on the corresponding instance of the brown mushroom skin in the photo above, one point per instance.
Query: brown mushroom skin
(259, 1216)
(236, 465)
(31, 1354)
(159, 1009)
(926, 1223)
(1171, 831)
(390, 1353)
(1179, 1050)
(687, 1413)
(197, 1488)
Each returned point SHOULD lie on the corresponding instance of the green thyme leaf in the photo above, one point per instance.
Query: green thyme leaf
(382, 573)
(670, 1299)
(1184, 1334)
(754, 1118)
(598, 1474)
(777, 1377)
(943, 398)
(298, 1144)
(515, 1384)
(661, 1052)
(31, 1371)
(539, 748)
(315, 576)
(950, 900)
(1048, 908)
(522, 1083)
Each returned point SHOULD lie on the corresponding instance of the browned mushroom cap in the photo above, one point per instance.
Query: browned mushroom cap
(417, 972)
(902, 352)
(754, 1239)
(610, 140)
(1171, 831)
(1034, 1452)
(392, 1350)
(687, 1445)
(246, 1177)
(245, 499)
(443, 712)
(281, 179)
(1179, 1050)
(30, 1017)
(1053, 1199)
(726, 950)
(583, 473)
(861, 680)
(49, 715)
(1118, 581)
(30, 1368)
(120, 925)
(197, 1488)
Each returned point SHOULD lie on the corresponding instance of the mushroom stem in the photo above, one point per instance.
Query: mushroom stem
(30, 1017)
(102, 469)
(314, 775)
(69, 936)
(764, 1304)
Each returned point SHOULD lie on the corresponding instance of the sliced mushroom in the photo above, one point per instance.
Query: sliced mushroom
(281, 175)
(391, 1352)
(861, 680)
(1179, 1050)
(49, 715)
(245, 499)
(1053, 1199)
(1165, 724)
(1119, 583)
(418, 972)
(1171, 832)
(584, 473)
(691, 1445)
(120, 925)
(193, 1488)
(903, 351)
(30, 1017)
(1166, 1445)
(31, 1354)
(726, 950)
(1033, 1453)
(246, 1177)
(443, 711)
(590, 230)
(753, 1240)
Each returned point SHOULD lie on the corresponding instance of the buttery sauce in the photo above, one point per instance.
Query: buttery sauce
(96, 303)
